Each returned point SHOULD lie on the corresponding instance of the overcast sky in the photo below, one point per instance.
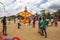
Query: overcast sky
(14, 6)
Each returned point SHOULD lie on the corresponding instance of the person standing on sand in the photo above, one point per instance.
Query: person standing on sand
(55, 21)
(18, 23)
(34, 20)
(43, 27)
(52, 20)
(47, 21)
(4, 25)
(39, 24)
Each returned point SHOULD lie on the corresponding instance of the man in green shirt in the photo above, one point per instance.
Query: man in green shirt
(43, 27)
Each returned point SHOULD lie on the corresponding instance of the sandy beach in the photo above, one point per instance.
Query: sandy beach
(30, 33)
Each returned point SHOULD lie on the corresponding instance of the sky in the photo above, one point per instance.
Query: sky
(12, 7)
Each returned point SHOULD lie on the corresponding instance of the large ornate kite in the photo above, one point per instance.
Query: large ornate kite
(26, 16)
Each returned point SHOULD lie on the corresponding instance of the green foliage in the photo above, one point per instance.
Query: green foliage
(58, 12)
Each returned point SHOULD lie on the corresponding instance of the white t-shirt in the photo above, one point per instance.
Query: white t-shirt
(18, 21)
(52, 20)
(47, 19)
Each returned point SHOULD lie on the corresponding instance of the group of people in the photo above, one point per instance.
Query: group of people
(54, 21)
(42, 24)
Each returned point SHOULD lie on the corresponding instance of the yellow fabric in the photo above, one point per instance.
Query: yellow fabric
(25, 15)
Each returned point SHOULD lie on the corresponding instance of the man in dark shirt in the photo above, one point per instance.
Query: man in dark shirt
(4, 25)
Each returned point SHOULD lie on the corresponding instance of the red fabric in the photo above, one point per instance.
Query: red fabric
(34, 20)
(5, 39)
(0, 38)
(55, 20)
(1, 35)
(25, 11)
(16, 38)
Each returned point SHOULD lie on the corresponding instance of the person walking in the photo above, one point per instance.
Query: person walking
(4, 25)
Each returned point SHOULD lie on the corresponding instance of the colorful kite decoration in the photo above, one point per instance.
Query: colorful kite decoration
(26, 16)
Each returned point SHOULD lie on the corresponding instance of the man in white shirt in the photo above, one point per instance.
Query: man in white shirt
(52, 20)
(47, 21)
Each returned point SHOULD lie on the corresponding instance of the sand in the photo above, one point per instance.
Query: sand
(29, 33)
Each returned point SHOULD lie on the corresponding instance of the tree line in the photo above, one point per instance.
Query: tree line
(49, 15)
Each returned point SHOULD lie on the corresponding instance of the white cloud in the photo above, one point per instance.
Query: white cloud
(15, 6)
(50, 3)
